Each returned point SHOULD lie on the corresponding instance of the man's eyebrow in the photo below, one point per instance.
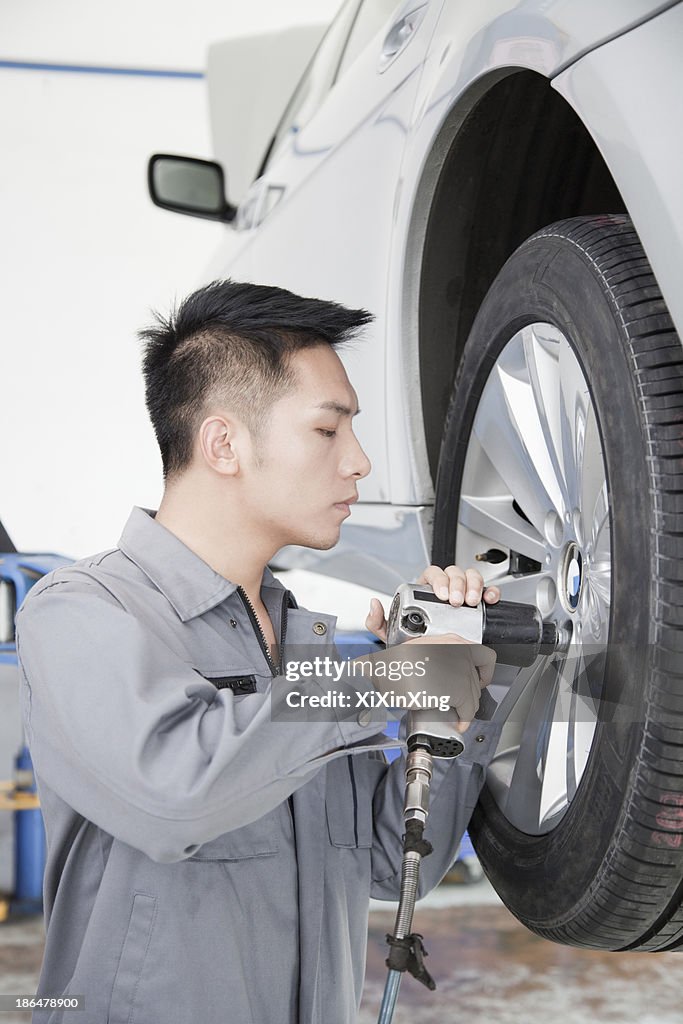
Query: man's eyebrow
(343, 410)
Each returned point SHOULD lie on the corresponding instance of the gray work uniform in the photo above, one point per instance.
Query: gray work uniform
(206, 861)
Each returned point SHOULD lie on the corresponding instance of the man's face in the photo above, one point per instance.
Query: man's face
(309, 458)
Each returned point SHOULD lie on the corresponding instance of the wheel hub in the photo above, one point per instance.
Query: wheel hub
(535, 487)
(572, 578)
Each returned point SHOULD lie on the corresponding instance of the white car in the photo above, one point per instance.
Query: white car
(500, 184)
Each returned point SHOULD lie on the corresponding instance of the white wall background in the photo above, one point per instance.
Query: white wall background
(84, 254)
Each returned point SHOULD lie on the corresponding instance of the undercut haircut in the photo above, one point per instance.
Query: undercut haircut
(229, 344)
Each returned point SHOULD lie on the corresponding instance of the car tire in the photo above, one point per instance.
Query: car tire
(602, 865)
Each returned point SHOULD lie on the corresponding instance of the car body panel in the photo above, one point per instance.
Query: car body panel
(341, 211)
(627, 93)
(383, 546)
(247, 77)
(543, 36)
(450, 87)
(317, 170)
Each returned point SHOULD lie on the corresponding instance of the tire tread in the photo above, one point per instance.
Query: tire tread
(646, 851)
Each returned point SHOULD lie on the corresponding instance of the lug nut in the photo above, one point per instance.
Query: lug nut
(493, 555)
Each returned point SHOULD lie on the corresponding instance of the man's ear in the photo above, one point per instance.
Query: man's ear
(220, 440)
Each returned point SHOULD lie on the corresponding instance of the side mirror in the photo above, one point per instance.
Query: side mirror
(187, 185)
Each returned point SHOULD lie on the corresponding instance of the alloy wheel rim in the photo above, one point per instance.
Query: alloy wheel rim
(534, 502)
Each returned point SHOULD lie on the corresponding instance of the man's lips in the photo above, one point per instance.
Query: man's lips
(344, 505)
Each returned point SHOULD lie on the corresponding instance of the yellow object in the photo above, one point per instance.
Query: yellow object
(13, 799)
(4, 909)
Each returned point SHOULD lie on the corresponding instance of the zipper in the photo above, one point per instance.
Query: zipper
(283, 623)
(275, 669)
(349, 761)
(258, 629)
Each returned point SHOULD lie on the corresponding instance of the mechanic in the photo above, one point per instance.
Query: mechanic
(207, 859)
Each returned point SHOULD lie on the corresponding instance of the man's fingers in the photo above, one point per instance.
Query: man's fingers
(376, 622)
(375, 615)
(484, 658)
(444, 582)
(476, 687)
(468, 702)
(457, 584)
(459, 587)
(475, 586)
(467, 707)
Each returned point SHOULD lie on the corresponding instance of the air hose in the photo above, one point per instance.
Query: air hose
(406, 949)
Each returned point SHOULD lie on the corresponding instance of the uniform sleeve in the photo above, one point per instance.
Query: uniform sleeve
(136, 741)
(454, 791)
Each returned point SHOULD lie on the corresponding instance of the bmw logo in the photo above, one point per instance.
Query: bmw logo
(572, 577)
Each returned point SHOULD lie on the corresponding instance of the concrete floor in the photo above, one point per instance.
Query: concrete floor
(21, 950)
(487, 967)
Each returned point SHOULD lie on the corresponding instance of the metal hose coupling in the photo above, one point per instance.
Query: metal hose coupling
(406, 949)
(418, 778)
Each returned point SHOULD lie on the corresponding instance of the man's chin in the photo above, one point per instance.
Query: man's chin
(321, 542)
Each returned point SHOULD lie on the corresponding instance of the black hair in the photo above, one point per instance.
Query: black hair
(230, 340)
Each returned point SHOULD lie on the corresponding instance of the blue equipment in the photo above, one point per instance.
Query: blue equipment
(18, 573)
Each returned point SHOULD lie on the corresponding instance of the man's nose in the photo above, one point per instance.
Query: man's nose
(356, 462)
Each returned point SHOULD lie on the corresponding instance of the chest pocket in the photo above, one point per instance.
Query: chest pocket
(259, 839)
(348, 802)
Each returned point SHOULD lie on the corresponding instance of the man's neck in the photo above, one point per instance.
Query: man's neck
(221, 540)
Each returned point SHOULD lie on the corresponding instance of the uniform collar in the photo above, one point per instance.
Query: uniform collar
(186, 580)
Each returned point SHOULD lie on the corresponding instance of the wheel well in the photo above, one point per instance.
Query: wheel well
(519, 160)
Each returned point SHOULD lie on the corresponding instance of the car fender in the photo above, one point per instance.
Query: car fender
(627, 95)
(473, 46)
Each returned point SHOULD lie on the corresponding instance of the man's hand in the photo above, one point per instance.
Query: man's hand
(451, 584)
(460, 673)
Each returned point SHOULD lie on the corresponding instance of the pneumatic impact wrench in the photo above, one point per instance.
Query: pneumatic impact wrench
(518, 634)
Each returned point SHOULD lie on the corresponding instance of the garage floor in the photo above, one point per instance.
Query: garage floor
(488, 969)
(491, 970)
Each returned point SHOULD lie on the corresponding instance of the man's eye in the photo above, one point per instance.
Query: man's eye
(326, 433)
